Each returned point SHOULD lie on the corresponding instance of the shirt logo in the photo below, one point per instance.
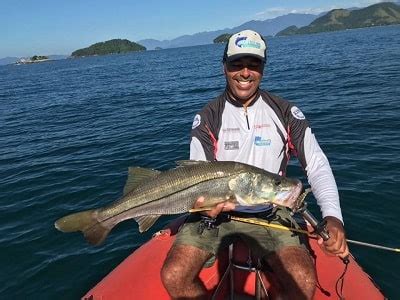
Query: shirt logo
(230, 129)
(259, 141)
(296, 112)
(232, 145)
(196, 121)
(260, 126)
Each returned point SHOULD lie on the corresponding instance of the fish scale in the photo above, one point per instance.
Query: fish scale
(165, 184)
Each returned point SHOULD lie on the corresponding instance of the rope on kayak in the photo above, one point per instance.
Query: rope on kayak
(340, 281)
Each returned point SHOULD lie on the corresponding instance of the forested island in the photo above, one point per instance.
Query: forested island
(381, 14)
(109, 47)
(31, 60)
(223, 38)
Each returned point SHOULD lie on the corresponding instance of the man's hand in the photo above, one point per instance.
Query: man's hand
(224, 206)
(336, 244)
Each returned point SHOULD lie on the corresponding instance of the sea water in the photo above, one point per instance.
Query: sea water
(71, 128)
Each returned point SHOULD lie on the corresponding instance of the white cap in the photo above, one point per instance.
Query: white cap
(245, 43)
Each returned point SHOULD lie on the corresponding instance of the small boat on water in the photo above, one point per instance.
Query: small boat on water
(234, 275)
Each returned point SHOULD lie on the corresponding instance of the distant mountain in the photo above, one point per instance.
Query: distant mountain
(386, 13)
(109, 47)
(272, 26)
(266, 28)
(8, 60)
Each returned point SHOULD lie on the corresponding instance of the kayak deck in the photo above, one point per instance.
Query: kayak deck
(138, 276)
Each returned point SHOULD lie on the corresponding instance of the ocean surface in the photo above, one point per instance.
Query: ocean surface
(71, 128)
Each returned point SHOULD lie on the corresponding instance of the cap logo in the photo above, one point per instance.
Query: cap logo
(242, 42)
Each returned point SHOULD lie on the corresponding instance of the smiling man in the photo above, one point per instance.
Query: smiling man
(249, 125)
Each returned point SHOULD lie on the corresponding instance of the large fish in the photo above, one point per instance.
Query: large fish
(148, 194)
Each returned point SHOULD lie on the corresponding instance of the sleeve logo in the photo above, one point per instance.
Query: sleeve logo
(196, 121)
(296, 112)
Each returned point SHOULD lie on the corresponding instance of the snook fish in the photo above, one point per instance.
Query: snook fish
(148, 194)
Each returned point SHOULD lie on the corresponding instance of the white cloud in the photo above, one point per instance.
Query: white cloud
(273, 12)
(280, 11)
(364, 3)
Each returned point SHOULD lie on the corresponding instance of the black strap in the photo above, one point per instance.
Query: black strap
(340, 281)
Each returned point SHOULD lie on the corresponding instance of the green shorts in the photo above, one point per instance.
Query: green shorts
(260, 239)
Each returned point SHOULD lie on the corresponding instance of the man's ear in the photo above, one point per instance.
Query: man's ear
(224, 68)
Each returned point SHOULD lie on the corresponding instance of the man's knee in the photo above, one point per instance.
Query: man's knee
(171, 273)
(182, 265)
(295, 269)
(180, 271)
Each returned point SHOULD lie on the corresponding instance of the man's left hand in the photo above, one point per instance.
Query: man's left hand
(336, 244)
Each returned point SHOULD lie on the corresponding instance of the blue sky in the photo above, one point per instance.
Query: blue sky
(46, 27)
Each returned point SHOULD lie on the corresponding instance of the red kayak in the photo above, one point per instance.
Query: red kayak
(138, 276)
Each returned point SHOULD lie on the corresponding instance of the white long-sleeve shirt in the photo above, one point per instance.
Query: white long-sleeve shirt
(264, 134)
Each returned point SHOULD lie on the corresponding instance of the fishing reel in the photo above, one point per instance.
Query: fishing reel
(209, 224)
(319, 227)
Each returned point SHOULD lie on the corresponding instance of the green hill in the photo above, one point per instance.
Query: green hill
(380, 14)
(291, 30)
(223, 38)
(109, 47)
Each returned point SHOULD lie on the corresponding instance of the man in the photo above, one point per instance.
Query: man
(252, 126)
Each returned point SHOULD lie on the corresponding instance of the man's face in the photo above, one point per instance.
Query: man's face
(243, 77)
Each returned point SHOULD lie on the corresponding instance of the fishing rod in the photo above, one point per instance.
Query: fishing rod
(319, 227)
(310, 234)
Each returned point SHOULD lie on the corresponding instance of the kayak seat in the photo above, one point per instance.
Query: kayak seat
(241, 265)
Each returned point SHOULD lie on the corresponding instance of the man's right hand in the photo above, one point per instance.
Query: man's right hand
(224, 206)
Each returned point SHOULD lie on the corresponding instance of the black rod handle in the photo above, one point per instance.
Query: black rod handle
(320, 229)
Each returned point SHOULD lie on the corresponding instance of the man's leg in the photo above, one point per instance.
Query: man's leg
(180, 272)
(294, 269)
(190, 251)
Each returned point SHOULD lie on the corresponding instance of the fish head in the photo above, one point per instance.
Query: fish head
(256, 189)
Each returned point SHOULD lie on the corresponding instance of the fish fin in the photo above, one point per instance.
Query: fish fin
(206, 208)
(94, 231)
(96, 234)
(137, 175)
(277, 203)
(185, 163)
(241, 200)
(215, 201)
(145, 222)
(193, 210)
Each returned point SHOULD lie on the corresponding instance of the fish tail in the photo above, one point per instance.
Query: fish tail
(94, 231)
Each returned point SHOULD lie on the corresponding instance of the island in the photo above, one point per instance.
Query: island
(109, 47)
(33, 59)
(223, 38)
(380, 14)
